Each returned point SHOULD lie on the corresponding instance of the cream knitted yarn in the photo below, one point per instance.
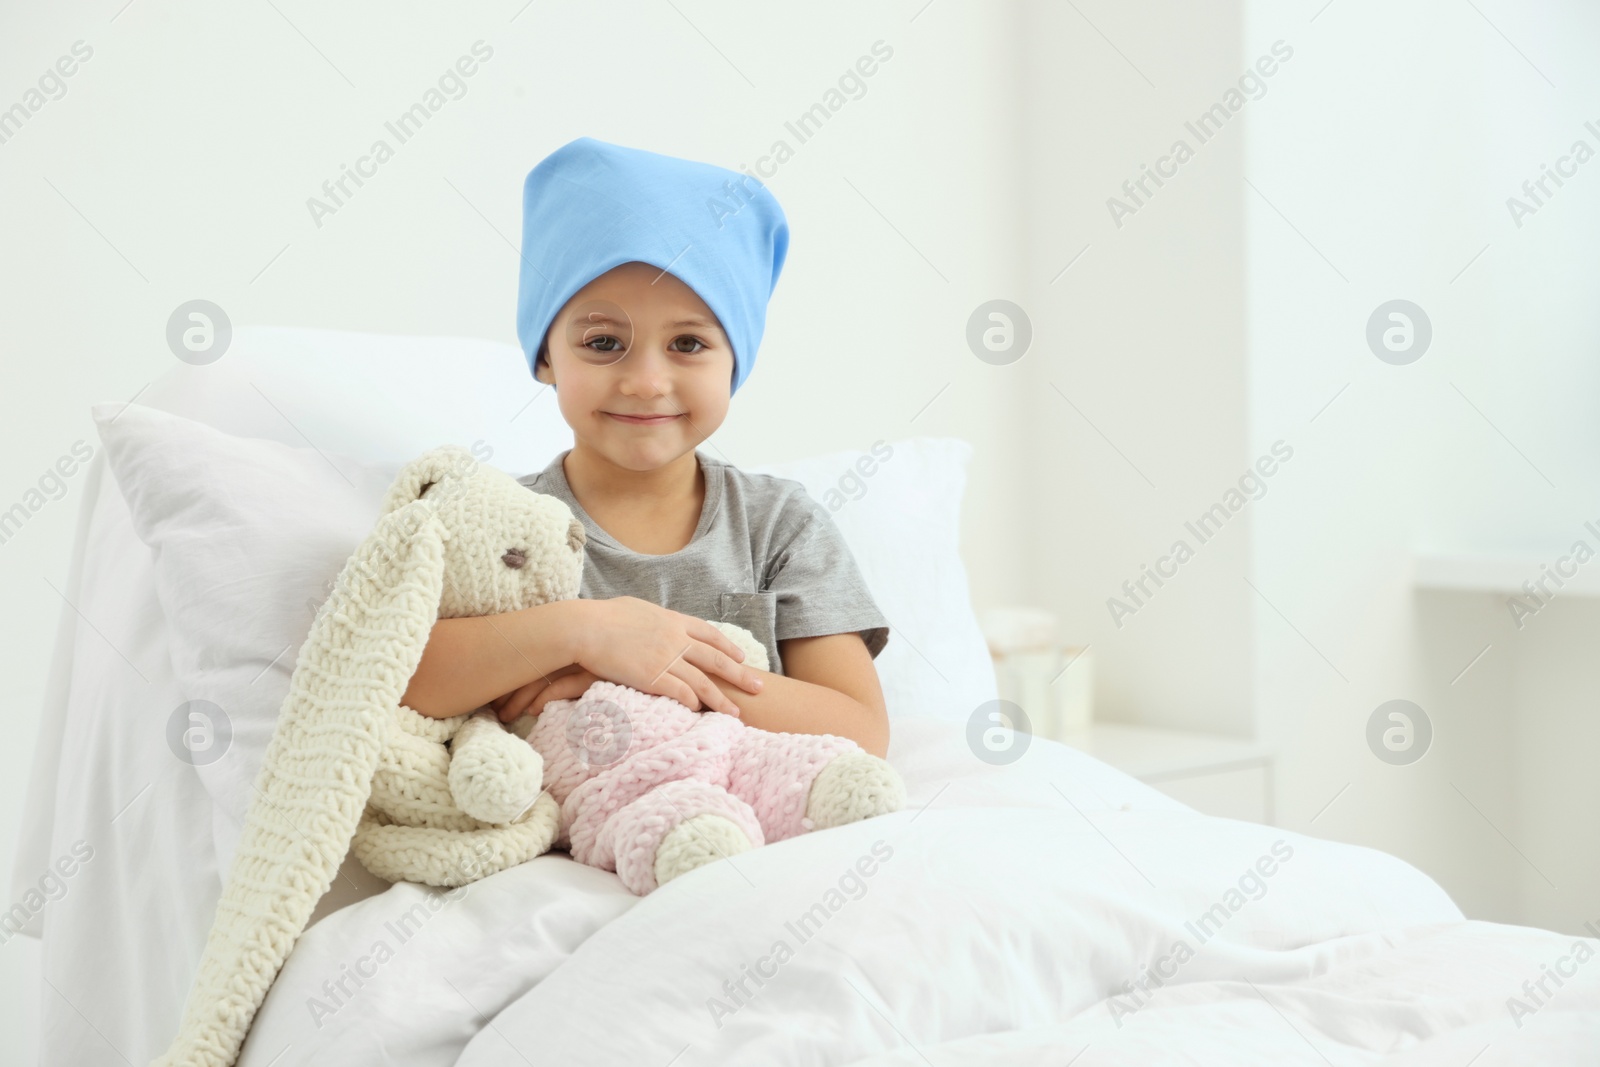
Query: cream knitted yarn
(446, 817)
(853, 786)
(695, 842)
(456, 538)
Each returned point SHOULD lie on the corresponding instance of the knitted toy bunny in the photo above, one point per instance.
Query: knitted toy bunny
(453, 800)
(653, 790)
(446, 816)
(350, 769)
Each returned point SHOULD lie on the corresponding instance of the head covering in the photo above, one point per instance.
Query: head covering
(590, 206)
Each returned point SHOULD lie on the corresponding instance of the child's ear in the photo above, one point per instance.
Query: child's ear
(542, 371)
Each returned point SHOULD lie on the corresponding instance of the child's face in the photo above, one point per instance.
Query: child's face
(638, 341)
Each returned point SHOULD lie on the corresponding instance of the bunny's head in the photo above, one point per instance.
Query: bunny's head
(504, 547)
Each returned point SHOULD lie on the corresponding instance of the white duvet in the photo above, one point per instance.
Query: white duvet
(1052, 912)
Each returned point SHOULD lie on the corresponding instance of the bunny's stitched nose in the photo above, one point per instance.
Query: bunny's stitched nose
(576, 538)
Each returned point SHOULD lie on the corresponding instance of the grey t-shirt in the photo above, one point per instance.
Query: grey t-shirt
(764, 556)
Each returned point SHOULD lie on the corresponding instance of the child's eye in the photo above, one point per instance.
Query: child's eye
(612, 341)
(691, 340)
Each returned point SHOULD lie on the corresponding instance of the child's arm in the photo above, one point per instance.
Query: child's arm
(830, 686)
(469, 662)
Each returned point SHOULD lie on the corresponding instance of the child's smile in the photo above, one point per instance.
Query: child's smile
(643, 371)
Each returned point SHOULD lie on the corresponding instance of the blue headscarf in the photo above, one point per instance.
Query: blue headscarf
(590, 206)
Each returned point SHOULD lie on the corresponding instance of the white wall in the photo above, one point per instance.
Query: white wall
(1391, 145)
(1136, 396)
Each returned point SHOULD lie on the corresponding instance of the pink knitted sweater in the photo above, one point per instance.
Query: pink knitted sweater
(627, 767)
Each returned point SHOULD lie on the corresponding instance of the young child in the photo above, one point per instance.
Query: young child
(645, 281)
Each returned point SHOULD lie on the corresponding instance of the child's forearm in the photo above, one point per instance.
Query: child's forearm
(788, 705)
(471, 661)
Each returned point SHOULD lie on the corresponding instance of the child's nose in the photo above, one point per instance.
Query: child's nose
(645, 371)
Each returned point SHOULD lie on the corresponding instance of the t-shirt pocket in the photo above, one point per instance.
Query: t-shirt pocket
(758, 613)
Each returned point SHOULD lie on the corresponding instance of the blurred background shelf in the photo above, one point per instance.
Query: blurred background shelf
(1501, 574)
(1213, 773)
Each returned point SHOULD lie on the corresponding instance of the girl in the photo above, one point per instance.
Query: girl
(643, 296)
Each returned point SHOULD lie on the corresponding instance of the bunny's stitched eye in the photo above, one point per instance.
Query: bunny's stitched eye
(514, 558)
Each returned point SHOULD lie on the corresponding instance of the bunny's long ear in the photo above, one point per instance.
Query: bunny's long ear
(427, 470)
(314, 784)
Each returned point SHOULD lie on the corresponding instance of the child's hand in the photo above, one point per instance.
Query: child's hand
(568, 683)
(656, 650)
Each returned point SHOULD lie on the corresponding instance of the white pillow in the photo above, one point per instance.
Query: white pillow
(248, 537)
(375, 397)
(250, 534)
(898, 506)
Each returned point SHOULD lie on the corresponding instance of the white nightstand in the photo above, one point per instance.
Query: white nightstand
(1212, 773)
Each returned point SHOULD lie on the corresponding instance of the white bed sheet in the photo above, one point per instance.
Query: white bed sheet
(120, 945)
(484, 947)
(1012, 904)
